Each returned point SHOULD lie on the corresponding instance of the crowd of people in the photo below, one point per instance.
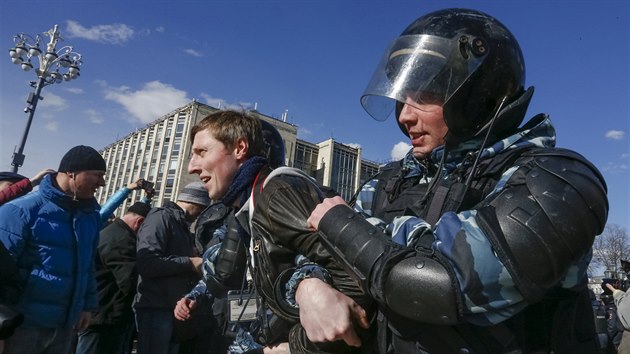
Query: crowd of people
(477, 241)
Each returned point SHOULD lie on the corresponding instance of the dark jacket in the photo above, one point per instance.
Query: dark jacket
(165, 244)
(116, 275)
(53, 240)
(279, 234)
(10, 281)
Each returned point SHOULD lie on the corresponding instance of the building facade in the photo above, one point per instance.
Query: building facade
(160, 153)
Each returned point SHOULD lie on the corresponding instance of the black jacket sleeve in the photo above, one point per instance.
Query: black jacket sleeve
(153, 257)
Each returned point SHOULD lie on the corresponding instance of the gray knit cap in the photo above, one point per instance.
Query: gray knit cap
(194, 192)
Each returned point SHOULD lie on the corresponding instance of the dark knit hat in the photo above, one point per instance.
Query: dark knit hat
(82, 158)
(139, 208)
(194, 192)
(11, 176)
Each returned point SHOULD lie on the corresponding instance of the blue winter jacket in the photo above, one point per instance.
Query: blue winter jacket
(53, 240)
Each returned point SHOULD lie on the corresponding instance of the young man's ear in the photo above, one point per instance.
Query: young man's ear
(241, 148)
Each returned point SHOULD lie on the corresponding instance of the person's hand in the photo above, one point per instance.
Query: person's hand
(83, 322)
(321, 209)
(136, 184)
(327, 315)
(183, 308)
(612, 288)
(196, 263)
(281, 348)
(40, 175)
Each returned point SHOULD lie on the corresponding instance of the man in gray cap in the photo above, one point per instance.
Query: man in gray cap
(52, 235)
(168, 266)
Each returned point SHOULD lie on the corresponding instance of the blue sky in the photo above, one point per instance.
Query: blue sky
(310, 58)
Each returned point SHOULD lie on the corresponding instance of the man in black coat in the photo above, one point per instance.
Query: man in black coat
(116, 278)
(168, 267)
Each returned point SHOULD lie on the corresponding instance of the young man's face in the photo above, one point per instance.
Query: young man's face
(215, 164)
(425, 126)
(87, 182)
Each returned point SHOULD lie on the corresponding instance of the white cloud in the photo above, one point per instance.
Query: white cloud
(52, 101)
(304, 132)
(160, 29)
(154, 100)
(75, 90)
(615, 134)
(117, 33)
(52, 126)
(400, 150)
(193, 52)
(222, 104)
(614, 167)
(94, 116)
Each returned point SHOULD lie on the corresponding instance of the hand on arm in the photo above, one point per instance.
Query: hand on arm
(321, 209)
(327, 315)
(40, 175)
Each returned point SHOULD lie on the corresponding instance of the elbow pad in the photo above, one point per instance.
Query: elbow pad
(411, 284)
(423, 289)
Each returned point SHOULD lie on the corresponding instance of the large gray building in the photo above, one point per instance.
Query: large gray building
(160, 153)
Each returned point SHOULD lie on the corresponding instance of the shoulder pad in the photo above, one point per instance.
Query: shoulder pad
(546, 217)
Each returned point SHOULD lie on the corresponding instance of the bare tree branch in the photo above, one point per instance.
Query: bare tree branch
(609, 248)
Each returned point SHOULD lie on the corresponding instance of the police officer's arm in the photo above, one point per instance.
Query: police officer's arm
(523, 239)
(396, 276)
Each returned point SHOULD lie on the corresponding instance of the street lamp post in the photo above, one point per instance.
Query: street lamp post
(55, 66)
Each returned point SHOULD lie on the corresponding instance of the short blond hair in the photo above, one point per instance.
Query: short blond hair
(229, 126)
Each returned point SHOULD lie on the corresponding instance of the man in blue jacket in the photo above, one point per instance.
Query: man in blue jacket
(52, 234)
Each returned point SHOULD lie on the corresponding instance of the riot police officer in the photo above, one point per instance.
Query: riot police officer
(495, 252)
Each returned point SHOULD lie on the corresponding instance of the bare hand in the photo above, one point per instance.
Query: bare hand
(135, 185)
(183, 308)
(321, 209)
(40, 175)
(282, 348)
(196, 263)
(327, 315)
(611, 287)
(83, 322)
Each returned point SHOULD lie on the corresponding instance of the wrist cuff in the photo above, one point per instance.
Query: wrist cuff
(304, 271)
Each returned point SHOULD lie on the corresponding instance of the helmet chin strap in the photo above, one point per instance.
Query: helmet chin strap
(483, 144)
(472, 171)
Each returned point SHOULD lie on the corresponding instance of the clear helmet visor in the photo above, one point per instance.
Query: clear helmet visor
(421, 70)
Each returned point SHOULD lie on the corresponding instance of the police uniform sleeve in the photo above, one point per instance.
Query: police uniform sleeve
(490, 261)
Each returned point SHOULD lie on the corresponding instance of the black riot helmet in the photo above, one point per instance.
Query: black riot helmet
(465, 60)
(274, 145)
